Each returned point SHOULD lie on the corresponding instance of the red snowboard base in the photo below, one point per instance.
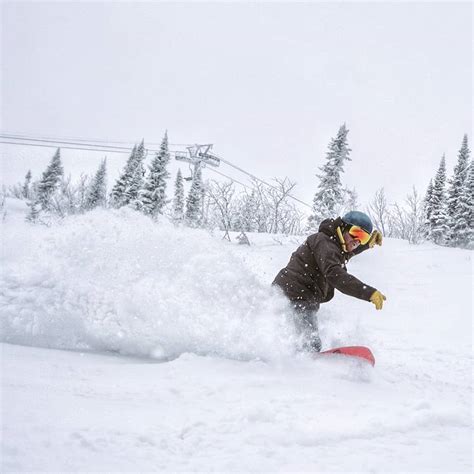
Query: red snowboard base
(353, 351)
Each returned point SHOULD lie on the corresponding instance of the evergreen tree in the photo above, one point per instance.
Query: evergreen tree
(117, 195)
(153, 194)
(26, 191)
(194, 200)
(463, 229)
(438, 222)
(329, 197)
(427, 204)
(178, 202)
(50, 181)
(457, 182)
(351, 200)
(130, 182)
(132, 193)
(97, 192)
(459, 177)
(428, 207)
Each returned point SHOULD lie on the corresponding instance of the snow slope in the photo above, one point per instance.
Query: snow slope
(180, 357)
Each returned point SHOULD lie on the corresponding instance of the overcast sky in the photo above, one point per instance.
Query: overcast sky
(268, 84)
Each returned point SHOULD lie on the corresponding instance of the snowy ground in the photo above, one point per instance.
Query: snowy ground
(130, 346)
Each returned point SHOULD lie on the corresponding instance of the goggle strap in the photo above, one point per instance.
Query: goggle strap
(341, 239)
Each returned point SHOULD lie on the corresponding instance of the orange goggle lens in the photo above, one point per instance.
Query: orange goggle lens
(360, 234)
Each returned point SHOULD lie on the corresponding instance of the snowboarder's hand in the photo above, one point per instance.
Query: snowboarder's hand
(375, 238)
(377, 298)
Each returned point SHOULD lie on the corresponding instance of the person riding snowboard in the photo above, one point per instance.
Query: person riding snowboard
(318, 267)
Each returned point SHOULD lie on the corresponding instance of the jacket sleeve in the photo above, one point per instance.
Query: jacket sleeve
(331, 265)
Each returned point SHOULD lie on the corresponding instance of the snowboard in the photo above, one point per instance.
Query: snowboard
(360, 352)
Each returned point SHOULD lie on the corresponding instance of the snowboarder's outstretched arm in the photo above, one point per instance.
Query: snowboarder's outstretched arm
(331, 265)
(333, 268)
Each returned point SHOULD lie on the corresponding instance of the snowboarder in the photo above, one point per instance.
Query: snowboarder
(318, 267)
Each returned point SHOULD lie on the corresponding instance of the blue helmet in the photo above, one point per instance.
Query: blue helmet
(358, 218)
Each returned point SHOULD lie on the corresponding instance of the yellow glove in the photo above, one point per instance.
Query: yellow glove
(377, 298)
(375, 238)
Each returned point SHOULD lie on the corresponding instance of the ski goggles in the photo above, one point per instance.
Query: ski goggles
(360, 234)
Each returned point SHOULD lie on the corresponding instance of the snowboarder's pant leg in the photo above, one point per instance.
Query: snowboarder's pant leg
(307, 324)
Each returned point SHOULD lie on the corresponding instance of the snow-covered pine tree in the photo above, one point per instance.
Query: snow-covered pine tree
(456, 186)
(438, 227)
(463, 228)
(194, 200)
(26, 191)
(329, 197)
(351, 200)
(470, 206)
(97, 192)
(153, 194)
(178, 201)
(50, 181)
(427, 205)
(459, 176)
(117, 195)
(132, 195)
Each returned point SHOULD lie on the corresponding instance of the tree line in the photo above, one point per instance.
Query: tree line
(444, 215)
(208, 204)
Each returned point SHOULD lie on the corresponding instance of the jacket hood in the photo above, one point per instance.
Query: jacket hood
(329, 226)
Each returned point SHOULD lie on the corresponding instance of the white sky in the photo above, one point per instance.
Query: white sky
(268, 84)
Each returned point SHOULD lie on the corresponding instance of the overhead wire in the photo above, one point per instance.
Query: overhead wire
(260, 180)
(228, 177)
(98, 147)
(55, 146)
(96, 140)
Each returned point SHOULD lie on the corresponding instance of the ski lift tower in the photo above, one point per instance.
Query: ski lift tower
(199, 156)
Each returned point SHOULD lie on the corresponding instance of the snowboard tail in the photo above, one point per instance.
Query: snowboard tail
(360, 352)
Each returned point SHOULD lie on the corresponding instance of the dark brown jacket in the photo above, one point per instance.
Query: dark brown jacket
(318, 266)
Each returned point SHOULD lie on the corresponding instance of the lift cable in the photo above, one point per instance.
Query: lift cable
(110, 148)
(261, 180)
(95, 140)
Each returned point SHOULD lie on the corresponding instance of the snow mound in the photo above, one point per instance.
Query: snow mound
(117, 281)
